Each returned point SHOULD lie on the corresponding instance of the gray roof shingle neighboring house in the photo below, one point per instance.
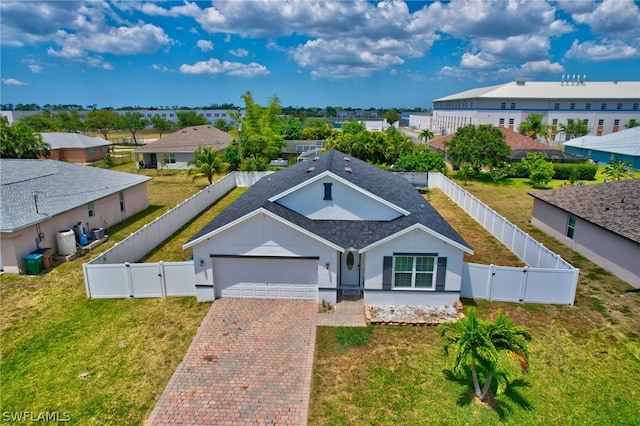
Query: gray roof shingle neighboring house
(355, 234)
(59, 140)
(614, 206)
(189, 139)
(35, 190)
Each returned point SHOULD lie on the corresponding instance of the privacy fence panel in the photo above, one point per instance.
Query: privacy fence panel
(114, 273)
(509, 284)
(180, 279)
(505, 284)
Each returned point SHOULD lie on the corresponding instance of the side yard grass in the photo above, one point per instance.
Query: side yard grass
(101, 361)
(585, 359)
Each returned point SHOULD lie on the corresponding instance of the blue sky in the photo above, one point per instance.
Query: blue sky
(308, 53)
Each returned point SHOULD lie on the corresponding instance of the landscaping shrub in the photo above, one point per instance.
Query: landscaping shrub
(518, 170)
(580, 171)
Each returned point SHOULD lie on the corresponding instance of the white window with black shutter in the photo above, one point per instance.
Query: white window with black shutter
(414, 272)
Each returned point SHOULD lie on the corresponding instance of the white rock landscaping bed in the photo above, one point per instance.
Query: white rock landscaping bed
(412, 315)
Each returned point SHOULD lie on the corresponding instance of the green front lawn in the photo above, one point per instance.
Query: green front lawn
(100, 361)
(585, 359)
(107, 361)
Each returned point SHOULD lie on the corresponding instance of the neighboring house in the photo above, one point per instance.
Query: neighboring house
(76, 148)
(295, 148)
(604, 106)
(178, 148)
(520, 145)
(624, 145)
(329, 224)
(601, 222)
(42, 197)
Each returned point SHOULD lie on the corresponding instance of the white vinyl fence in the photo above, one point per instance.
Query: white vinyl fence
(547, 279)
(113, 274)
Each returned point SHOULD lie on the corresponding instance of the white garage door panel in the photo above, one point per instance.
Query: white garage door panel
(266, 278)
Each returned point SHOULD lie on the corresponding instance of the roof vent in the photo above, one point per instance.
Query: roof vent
(347, 159)
(316, 158)
(348, 170)
(520, 82)
(310, 169)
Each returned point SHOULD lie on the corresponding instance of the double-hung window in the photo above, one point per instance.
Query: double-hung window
(417, 272)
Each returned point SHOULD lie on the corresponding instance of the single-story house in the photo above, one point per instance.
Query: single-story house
(601, 222)
(519, 144)
(40, 198)
(624, 145)
(176, 149)
(329, 224)
(76, 148)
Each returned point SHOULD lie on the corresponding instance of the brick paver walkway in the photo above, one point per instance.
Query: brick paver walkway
(249, 364)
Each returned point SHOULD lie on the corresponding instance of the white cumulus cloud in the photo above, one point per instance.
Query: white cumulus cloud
(605, 51)
(215, 66)
(205, 45)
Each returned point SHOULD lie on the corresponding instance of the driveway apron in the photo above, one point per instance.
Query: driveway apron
(249, 364)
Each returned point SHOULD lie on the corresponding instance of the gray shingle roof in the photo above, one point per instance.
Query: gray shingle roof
(345, 233)
(189, 139)
(59, 187)
(72, 140)
(614, 206)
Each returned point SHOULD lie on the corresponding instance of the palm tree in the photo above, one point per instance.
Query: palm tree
(618, 170)
(533, 127)
(575, 128)
(478, 344)
(425, 135)
(207, 162)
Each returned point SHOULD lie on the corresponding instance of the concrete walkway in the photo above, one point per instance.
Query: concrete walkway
(348, 312)
(250, 364)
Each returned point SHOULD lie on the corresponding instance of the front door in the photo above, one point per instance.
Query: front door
(350, 269)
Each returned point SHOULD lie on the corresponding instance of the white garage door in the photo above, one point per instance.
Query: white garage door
(266, 278)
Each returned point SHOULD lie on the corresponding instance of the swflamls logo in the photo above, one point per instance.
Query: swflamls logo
(32, 416)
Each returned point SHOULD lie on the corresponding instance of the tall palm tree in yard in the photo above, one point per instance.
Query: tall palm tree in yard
(425, 135)
(477, 344)
(206, 162)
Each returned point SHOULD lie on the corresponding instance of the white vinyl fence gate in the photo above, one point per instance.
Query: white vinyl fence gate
(547, 279)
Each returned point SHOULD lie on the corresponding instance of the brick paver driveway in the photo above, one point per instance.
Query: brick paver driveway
(250, 363)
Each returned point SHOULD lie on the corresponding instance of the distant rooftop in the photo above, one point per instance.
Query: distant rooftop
(552, 90)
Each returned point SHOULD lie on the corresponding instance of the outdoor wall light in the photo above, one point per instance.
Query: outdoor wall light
(201, 262)
(326, 265)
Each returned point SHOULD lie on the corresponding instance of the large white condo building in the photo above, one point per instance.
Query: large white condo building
(604, 106)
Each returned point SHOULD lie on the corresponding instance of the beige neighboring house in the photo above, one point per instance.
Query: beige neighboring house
(41, 198)
(76, 148)
(178, 147)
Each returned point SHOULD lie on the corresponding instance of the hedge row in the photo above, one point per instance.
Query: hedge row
(563, 171)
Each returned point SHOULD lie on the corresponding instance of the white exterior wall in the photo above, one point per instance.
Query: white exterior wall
(15, 245)
(262, 235)
(420, 122)
(415, 241)
(181, 160)
(449, 116)
(346, 203)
